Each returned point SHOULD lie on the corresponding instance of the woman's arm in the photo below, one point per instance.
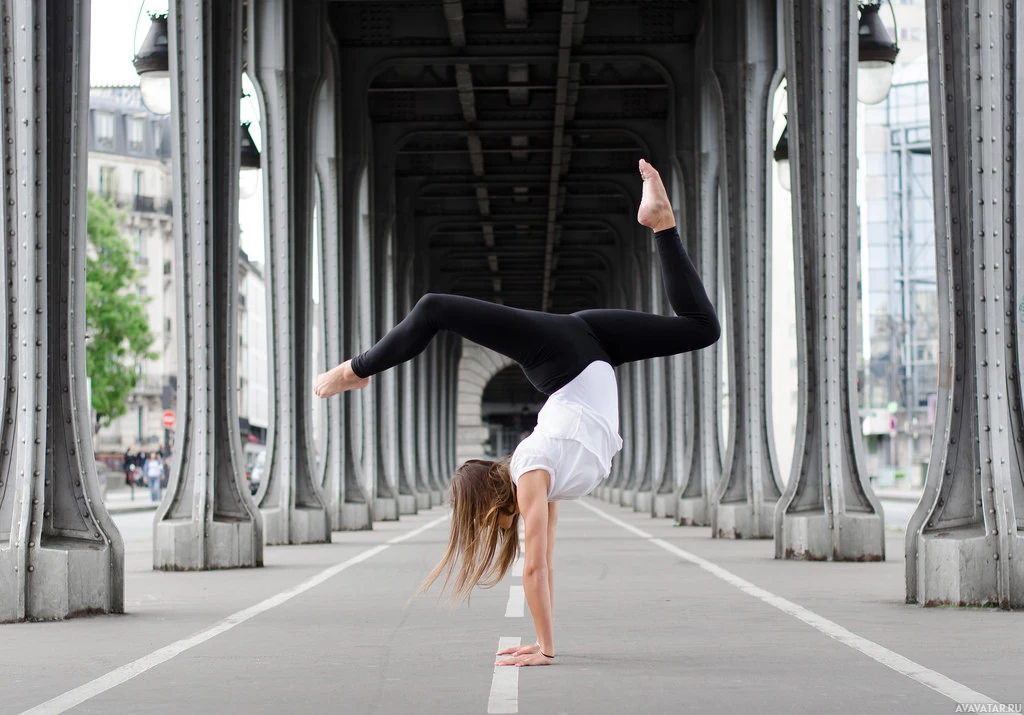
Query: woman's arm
(532, 495)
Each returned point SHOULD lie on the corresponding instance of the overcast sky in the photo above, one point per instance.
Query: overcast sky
(110, 63)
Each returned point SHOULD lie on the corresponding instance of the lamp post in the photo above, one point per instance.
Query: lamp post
(249, 172)
(151, 64)
(781, 156)
(876, 55)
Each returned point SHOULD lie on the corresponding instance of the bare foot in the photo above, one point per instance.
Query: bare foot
(655, 211)
(338, 379)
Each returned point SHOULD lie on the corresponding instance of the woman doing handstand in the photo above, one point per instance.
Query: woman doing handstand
(570, 358)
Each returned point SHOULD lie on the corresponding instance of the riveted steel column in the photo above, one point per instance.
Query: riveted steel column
(207, 519)
(60, 554)
(408, 490)
(678, 429)
(640, 477)
(423, 473)
(828, 510)
(288, 61)
(620, 483)
(328, 171)
(384, 446)
(704, 470)
(965, 542)
(744, 65)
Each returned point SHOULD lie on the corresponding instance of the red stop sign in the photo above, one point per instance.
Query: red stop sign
(168, 419)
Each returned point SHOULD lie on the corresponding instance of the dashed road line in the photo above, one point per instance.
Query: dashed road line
(516, 600)
(79, 695)
(504, 696)
(957, 692)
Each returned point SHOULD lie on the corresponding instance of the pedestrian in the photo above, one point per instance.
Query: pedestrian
(570, 358)
(153, 470)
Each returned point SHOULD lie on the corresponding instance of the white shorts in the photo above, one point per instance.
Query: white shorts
(574, 469)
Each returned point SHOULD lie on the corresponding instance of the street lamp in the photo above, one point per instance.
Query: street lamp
(249, 173)
(781, 155)
(152, 68)
(876, 54)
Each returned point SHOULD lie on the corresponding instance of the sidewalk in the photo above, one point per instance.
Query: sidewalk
(119, 500)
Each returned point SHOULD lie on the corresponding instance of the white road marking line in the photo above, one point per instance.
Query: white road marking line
(116, 677)
(957, 692)
(517, 567)
(504, 696)
(516, 599)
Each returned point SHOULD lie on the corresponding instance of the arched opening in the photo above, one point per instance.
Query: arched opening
(782, 346)
(509, 408)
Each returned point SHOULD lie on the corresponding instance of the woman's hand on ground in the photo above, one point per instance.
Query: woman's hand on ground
(528, 659)
(520, 650)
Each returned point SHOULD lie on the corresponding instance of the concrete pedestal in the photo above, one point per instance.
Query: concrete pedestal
(744, 520)
(808, 536)
(693, 511)
(229, 545)
(297, 526)
(664, 506)
(385, 509)
(408, 503)
(956, 568)
(643, 501)
(356, 517)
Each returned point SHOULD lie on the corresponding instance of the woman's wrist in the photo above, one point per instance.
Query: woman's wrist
(544, 651)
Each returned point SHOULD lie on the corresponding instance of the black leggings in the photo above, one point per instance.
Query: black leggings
(553, 349)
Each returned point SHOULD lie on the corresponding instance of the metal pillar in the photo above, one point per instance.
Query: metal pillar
(409, 500)
(384, 443)
(678, 428)
(965, 542)
(293, 505)
(207, 519)
(60, 554)
(704, 470)
(744, 64)
(327, 170)
(639, 495)
(424, 475)
(828, 510)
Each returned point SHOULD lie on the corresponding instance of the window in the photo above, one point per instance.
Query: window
(136, 134)
(140, 260)
(158, 136)
(141, 290)
(137, 183)
(167, 325)
(108, 179)
(167, 268)
(103, 128)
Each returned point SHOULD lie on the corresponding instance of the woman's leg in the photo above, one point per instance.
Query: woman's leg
(512, 332)
(630, 335)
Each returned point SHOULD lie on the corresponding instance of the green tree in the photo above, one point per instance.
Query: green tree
(115, 315)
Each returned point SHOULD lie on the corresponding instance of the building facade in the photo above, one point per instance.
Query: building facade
(130, 165)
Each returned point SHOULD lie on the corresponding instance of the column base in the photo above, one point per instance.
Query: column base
(297, 526)
(385, 509)
(808, 537)
(70, 577)
(603, 493)
(740, 521)
(423, 500)
(615, 496)
(627, 498)
(956, 568)
(408, 503)
(229, 545)
(643, 501)
(664, 506)
(355, 517)
(693, 511)
(436, 497)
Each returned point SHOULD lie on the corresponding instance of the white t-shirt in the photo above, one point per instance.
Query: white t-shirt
(577, 435)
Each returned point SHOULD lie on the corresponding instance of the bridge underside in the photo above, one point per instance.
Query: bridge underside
(488, 148)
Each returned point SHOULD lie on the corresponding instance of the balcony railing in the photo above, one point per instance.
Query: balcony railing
(141, 204)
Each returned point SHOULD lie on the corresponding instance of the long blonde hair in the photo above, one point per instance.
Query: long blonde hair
(479, 551)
